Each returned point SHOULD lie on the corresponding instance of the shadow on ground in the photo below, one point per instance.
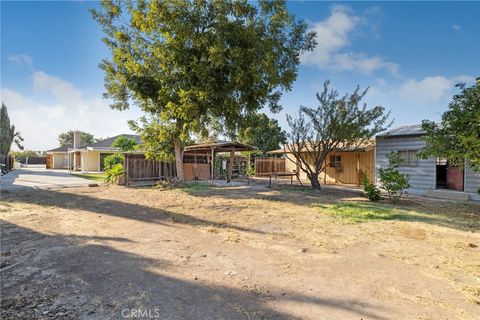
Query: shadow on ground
(111, 207)
(352, 206)
(65, 277)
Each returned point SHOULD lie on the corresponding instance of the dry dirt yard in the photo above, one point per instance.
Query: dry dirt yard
(235, 253)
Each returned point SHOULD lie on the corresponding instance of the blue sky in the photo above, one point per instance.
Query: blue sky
(410, 54)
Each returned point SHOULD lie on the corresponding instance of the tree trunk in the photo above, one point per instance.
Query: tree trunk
(314, 181)
(230, 166)
(178, 158)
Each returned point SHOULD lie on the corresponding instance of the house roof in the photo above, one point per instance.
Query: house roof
(220, 146)
(61, 149)
(361, 146)
(107, 143)
(412, 130)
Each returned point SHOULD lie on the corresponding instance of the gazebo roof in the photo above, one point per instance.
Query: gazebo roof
(219, 146)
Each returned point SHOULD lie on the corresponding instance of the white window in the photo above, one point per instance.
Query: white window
(408, 158)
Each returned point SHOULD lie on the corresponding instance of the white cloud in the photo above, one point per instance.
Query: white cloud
(41, 123)
(21, 59)
(413, 100)
(333, 37)
(429, 89)
(464, 78)
(456, 27)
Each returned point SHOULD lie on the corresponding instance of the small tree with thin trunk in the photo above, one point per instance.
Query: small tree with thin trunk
(336, 124)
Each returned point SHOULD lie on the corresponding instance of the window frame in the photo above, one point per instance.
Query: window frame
(407, 158)
(335, 161)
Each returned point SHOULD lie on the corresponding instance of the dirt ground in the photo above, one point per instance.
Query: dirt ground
(235, 253)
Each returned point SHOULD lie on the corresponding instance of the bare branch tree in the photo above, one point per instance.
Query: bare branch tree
(338, 123)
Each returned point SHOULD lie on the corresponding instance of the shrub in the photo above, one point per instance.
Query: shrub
(114, 173)
(392, 181)
(371, 191)
(110, 161)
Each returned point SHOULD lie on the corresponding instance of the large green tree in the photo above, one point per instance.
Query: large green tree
(186, 63)
(66, 138)
(457, 136)
(8, 133)
(263, 133)
(336, 124)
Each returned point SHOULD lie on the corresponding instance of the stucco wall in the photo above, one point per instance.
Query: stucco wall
(60, 161)
(90, 161)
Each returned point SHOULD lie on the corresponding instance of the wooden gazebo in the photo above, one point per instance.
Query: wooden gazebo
(212, 148)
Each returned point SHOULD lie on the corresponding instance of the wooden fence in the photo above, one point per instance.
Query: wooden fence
(142, 172)
(266, 166)
(32, 160)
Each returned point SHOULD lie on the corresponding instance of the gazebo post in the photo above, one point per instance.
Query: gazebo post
(213, 164)
(248, 168)
(195, 165)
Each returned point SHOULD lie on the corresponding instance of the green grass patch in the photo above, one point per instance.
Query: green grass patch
(365, 212)
(100, 177)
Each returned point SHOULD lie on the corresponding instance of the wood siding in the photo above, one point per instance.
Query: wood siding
(353, 165)
(267, 166)
(201, 171)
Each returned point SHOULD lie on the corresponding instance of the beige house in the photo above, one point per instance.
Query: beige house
(85, 158)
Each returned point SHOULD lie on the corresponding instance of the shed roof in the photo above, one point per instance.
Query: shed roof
(220, 146)
(411, 130)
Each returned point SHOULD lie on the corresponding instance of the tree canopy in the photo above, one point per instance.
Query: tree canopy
(336, 124)
(263, 133)
(188, 63)
(8, 133)
(457, 136)
(125, 144)
(66, 138)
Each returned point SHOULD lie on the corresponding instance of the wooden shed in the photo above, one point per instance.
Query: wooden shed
(345, 166)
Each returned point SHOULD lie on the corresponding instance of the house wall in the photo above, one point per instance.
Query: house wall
(422, 177)
(60, 160)
(472, 183)
(90, 161)
(350, 171)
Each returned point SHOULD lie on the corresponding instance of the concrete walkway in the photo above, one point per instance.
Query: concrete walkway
(40, 178)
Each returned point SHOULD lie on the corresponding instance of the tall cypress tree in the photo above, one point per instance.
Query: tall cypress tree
(8, 135)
